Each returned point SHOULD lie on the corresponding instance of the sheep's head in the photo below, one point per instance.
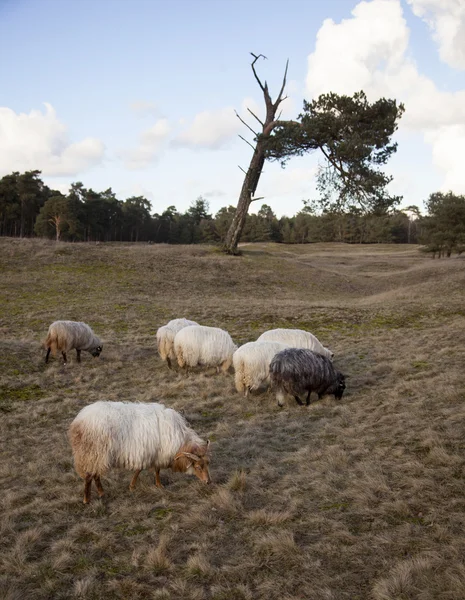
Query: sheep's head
(96, 351)
(340, 386)
(194, 460)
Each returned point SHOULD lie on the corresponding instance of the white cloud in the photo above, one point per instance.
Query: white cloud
(151, 143)
(210, 129)
(143, 108)
(40, 141)
(370, 51)
(448, 150)
(446, 19)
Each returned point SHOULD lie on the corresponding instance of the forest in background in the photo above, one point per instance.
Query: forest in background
(29, 208)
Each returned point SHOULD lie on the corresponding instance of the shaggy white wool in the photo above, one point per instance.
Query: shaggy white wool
(296, 338)
(206, 346)
(252, 364)
(166, 334)
(128, 435)
(68, 335)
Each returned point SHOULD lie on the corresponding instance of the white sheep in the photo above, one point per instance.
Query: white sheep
(296, 338)
(166, 335)
(66, 335)
(252, 365)
(134, 436)
(206, 346)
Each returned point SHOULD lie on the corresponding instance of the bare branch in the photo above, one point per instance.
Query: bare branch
(248, 126)
(264, 88)
(246, 141)
(254, 199)
(279, 99)
(242, 169)
(254, 115)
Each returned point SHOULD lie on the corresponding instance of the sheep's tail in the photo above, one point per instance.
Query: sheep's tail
(239, 375)
(91, 450)
(165, 346)
(180, 357)
(51, 342)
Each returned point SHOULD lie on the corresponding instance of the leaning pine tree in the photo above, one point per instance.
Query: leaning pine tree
(353, 136)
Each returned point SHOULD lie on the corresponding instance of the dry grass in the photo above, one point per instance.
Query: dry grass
(362, 499)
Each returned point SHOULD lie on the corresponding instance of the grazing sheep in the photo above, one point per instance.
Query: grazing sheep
(296, 338)
(252, 365)
(298, 370)
(165, 338)
(66, 335)
(206, 346)
(134, 436)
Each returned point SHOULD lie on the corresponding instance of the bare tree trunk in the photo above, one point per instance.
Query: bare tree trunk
(245, 199)
(254, 171)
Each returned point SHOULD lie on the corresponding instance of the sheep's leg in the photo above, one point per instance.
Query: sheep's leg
(65, 360)
(47, 355)
(307, 401)
(217, 370)
(168, 362)
(247, 392)
(98, 483)
(298, 400)
(132, 485)
(87, 485)
(157, 478)
(78, 353)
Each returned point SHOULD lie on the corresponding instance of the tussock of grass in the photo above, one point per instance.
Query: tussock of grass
(347, 500)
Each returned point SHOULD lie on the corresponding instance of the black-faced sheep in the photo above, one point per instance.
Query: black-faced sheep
(204, 346)
(296, 371)
(66, 335)
(296, 338)
(134, 436)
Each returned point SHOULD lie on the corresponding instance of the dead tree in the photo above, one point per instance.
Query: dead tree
(252, 176)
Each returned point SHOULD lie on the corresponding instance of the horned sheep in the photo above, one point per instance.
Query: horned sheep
(296, 338)
(204, 346)
(165, 338)
(295, 371)
(66, 335)
(134, 436)
(252, 365)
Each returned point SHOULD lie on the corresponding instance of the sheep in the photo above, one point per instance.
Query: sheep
(298, 370)
(207, 346)
(165, 338)
(134, 436)
(252, 365)
(66, 335)
(296, 338)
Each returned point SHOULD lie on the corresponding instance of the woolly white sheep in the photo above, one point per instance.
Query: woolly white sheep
(252, 365)
(134, 436)
(66, 335)
(296, 338)
(206, 346)
(165, 338)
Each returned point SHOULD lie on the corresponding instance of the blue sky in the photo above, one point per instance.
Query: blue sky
(140, 95)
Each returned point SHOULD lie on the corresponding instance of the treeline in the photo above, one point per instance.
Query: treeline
(28, 207)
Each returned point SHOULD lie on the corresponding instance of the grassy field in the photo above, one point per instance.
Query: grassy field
(358, 499)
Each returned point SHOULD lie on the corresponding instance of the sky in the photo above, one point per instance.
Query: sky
(140, 95)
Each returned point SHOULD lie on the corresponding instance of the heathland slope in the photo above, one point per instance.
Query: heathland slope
(361, 498)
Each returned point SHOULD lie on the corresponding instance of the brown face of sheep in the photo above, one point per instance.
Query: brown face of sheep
(194, 464)
(96, 351)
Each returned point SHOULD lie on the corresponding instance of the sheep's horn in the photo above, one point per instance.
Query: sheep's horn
(188, 454)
